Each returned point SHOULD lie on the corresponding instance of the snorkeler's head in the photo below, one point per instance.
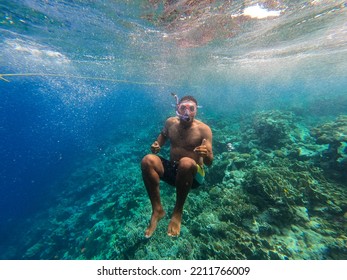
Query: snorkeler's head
(189, 97)
(187, 108)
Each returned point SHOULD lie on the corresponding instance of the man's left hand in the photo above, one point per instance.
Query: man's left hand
(202, 149)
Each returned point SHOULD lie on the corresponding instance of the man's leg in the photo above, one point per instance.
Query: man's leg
(152, 169)
(184, 179)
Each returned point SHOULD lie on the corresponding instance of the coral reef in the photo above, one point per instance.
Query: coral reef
(270, 129)
(334, 134)
(266, 196)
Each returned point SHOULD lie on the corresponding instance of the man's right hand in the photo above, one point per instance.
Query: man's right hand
(155, 148)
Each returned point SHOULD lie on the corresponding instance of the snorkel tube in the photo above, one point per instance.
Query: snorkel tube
(184, 117)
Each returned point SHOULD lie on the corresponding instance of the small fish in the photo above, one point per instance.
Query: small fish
(230, 147)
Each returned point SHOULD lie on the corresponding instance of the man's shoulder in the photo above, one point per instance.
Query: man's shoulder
(171, 120)
(201, 124)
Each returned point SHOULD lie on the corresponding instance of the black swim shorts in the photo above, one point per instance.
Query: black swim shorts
(170, 172)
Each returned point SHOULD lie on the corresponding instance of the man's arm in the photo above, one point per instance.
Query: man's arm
(205, 149)
(208, 159)
(156, 146)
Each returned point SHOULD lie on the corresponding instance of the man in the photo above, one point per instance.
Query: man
(190, 148)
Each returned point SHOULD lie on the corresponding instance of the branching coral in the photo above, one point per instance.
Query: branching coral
(335, 134)
(272, 128)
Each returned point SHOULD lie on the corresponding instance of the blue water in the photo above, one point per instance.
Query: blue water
(81, 78)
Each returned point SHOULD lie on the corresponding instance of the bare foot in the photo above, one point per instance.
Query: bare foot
(156, 216)
(174, 226)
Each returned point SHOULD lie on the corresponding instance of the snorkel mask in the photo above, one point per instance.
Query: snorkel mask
(186, 110)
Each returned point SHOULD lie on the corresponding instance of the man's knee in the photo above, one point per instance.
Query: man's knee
(187, 165)
(152, 163)
(148, 161)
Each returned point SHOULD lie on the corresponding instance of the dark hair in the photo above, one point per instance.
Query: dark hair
(189, 97)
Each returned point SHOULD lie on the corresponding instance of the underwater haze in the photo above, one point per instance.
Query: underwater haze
(85, 90)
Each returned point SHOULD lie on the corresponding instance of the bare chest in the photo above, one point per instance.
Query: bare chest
(187, 138)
